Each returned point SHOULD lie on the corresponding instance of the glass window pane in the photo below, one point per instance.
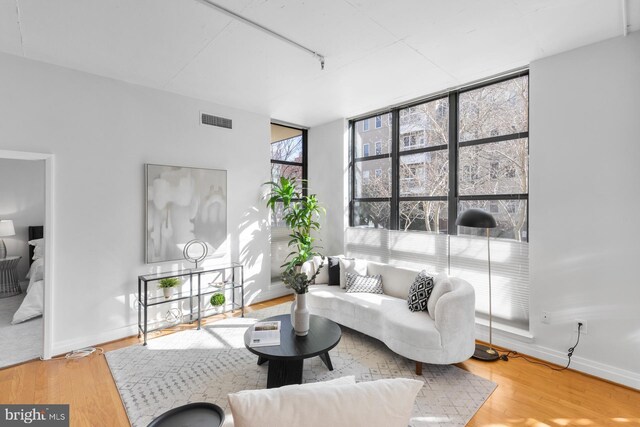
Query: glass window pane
(424, 174)
(495, 168)
(377, 139)
(424, 125)
(511, 216)
(494, 110)
(289, 150)
(371, 214)
(277, 215)
(373, 178)
(424, 216)
(289, 171)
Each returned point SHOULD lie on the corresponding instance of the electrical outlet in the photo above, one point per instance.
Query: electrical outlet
(546, 317)
(583, 328)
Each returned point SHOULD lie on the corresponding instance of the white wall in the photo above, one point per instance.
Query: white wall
(585, 238)
(101, 133)
(21, 200)
(328, 165)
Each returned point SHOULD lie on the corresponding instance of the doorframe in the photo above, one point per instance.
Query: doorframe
(49, 236)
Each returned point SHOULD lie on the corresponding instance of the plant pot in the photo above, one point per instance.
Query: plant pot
(168, 292)
(300, 315)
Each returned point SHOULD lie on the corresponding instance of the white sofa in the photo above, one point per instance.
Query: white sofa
(447, 338)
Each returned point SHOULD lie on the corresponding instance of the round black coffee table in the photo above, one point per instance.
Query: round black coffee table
(286, 360)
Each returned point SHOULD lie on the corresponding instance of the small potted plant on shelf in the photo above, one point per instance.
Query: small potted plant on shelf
(217, 300)
(167, 284)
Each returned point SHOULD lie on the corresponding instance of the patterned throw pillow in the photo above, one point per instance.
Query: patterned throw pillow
(420, 291)
(364, 284)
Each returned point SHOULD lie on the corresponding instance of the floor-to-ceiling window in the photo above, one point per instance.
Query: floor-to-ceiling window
(288, 159)
(437, 158)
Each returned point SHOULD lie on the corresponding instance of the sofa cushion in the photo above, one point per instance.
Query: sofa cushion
(396, 281)
(366, 284)
(441, 285)
(351, 265)
(360, 311)
(387, 403)
(334, 271)
(247, 405)
(323, 272)
(420, 291)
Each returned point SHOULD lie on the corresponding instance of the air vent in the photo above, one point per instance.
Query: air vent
(208, 119)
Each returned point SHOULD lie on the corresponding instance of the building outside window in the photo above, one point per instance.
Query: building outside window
(378, 122)
(288, 157)
(489, 143)
(365, 125)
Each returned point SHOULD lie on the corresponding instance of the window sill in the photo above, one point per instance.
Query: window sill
(523, 335)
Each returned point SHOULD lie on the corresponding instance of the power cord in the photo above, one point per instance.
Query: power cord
(515, 355)
(78, 354)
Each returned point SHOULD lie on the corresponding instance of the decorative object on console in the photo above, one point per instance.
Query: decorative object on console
(193, 256)
(167, 284)
(420, 291)
(217, 300)
(6, 230)
(477, 218)
(364, 284)
(183, 204)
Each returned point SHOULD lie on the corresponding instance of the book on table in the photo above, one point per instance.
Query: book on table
(265, 334)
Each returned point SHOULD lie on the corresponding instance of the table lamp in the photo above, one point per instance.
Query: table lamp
(6, 230)
(477, 218)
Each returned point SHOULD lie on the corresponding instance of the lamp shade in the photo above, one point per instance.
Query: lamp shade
(476, 218)
(6, 228)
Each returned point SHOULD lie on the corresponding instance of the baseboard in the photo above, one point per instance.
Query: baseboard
(66, 346)
(581, 364)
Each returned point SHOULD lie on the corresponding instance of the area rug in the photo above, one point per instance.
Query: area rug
(207, 365)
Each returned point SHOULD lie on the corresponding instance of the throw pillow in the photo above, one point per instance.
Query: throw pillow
(364, 284)
(441, 285)
(334, 271)
(353, 266)
(387, 403)
(32, 304)
(323, 273)
(420, 291)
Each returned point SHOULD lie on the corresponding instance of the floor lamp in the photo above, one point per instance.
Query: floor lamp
(477, 218)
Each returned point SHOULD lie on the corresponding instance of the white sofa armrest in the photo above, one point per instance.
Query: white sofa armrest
(455, 319)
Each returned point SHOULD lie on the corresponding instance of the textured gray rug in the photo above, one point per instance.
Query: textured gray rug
(20, 342)
(207, 365)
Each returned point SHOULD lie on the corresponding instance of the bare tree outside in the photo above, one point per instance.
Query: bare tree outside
(494, 167)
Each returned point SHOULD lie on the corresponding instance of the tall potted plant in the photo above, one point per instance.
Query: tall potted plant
(300, 213)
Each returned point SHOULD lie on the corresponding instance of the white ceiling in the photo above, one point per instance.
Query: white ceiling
(378, 52)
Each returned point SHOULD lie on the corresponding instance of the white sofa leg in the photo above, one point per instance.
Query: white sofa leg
(418, 368)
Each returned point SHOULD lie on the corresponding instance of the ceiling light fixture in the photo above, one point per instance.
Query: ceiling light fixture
(253, 24)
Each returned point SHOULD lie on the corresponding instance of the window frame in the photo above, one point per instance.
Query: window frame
(453, 199)
(305, 159)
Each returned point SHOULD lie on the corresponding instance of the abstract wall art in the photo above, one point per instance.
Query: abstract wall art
(183, 204)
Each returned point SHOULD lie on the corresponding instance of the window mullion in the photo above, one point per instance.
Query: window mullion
(453, 164)
(394, 222)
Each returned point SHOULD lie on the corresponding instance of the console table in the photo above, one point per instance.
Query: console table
(9, 283)
(226, 278)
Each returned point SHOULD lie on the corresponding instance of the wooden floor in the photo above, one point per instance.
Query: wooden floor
(527, 394)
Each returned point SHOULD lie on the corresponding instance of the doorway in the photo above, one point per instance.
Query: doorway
(26, 285)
